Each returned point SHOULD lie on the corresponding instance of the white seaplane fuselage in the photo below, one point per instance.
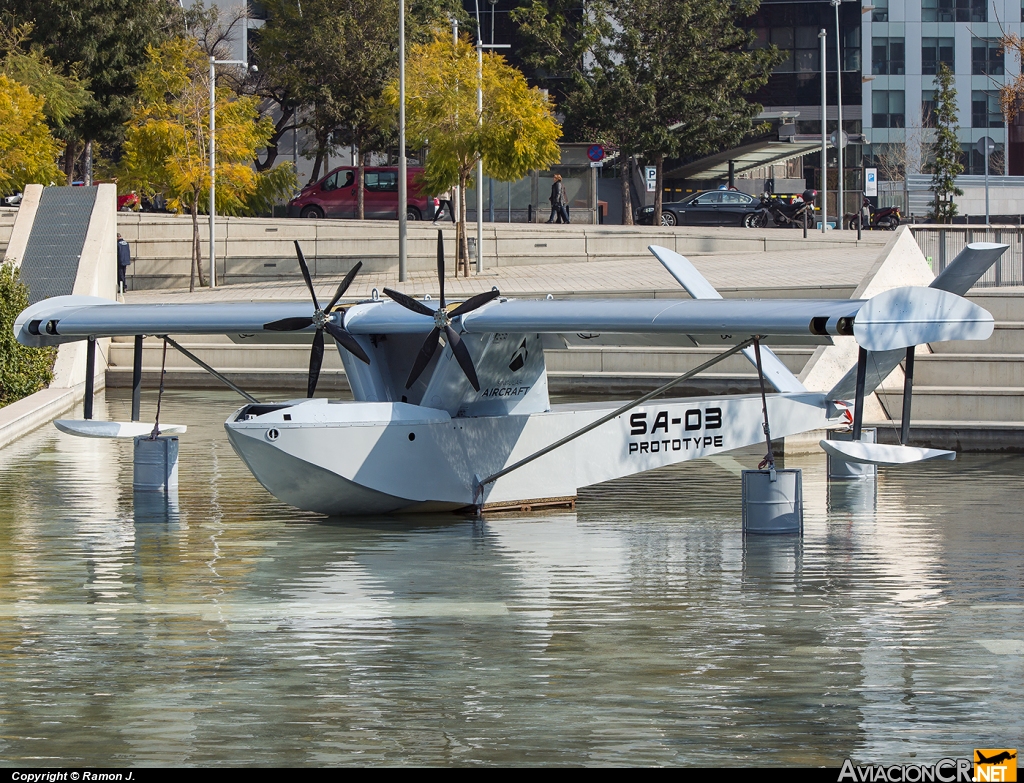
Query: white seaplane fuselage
(380, 457)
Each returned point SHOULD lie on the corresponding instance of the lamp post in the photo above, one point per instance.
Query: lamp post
(824, 139)
(214, 62)
(403, 196)
(839, 109)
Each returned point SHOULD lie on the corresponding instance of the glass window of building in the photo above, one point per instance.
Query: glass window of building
(851, 49)
(887, 56)
(888, 109)
(928, 108)
(954, 11)
(974, 161)
(986, 58)
(986, 111)
(881, 10)
(801, 48)
(935, 51)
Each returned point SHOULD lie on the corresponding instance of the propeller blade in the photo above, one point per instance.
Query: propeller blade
(305, 274)
(425, 355)
(344, 286)
(474, 302)
(409, 303)
(440, 264)
(347, 341)
(462, 355)
(316, 358)
(288, 324)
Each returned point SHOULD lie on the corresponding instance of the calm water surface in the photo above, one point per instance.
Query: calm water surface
(641, 628)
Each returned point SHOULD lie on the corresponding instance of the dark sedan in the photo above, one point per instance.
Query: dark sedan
(705, 208)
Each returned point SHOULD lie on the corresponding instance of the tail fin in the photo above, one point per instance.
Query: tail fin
(957, 278)
(697, 286)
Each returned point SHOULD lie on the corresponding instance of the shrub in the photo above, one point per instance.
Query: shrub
(22, 370)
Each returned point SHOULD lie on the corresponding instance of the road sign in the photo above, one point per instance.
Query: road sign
(832, 139)
(870, 182)
(595, 152)
(980, 146)
(597, 164)
(651, 175)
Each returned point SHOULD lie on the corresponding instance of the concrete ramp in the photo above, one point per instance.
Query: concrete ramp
(64, 241)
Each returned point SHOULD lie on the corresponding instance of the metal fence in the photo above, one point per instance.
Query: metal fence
(941, 244)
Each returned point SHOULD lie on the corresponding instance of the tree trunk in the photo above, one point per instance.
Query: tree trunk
(317, 162)
(361, 192)
(463, 217)
(70, 158)
(195, 245)
(280, 128)
(659, 161)
(627, 198)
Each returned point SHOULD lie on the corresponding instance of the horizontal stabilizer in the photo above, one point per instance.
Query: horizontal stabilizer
(90, 428)
(901, 317)
(957, 278)
(880, 454)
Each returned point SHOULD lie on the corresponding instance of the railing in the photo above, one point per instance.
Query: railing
(941, 244)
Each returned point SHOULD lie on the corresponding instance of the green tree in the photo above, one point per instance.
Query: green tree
(167, 146)
(104, 42)
(28, 151)
(516, 133)
(22, 370)
(947, 166)
(660, 78)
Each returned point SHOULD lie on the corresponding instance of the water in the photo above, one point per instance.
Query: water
(641, 628)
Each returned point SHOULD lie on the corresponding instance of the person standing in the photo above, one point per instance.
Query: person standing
(124, 258)
(558, 201)
(445, 199)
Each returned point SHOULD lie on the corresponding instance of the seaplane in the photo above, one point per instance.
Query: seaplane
(451, 410)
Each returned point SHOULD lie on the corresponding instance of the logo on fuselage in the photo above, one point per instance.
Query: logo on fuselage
(519, 357)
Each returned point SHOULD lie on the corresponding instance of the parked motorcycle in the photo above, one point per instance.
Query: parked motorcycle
(884, 219)
(784, 213)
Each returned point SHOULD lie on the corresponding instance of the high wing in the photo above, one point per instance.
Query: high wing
(68, 318)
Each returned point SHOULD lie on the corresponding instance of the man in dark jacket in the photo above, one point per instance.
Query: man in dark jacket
(124, 258)
(559, 202)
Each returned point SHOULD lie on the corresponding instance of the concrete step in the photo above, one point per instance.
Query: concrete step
(952, 369)
(1008, 337)
(959, 403)
(670, 361)
(219, 355)
(1005, 304)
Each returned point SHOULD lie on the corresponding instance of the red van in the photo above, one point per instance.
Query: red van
(335, 196)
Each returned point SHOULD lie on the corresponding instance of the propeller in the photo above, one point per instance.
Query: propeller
(321, 319)
(443, 317)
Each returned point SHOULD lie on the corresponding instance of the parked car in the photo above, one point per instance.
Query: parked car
(12, 200)
(704, 208)
(336, 195)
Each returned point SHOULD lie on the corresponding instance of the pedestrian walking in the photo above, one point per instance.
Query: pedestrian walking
(559, 202)
(445, 199)
(124, 258)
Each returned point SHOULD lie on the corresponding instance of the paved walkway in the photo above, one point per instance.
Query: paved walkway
(820, 267)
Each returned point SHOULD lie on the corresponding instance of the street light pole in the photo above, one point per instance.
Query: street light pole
(839, 127)
(403, 196)
(214, 62)
(824, 139)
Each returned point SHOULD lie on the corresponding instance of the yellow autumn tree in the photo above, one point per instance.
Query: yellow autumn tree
(516, 133)
(167, 144)
(28, 151)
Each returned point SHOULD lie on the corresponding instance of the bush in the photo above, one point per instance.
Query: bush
(22, 370)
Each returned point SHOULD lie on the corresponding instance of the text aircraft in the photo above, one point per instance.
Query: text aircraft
(451, 405)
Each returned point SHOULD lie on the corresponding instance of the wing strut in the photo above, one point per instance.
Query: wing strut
(479, 489)
(212, 371)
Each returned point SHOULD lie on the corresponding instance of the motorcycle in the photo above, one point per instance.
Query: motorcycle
(884, 219)
(784, 213)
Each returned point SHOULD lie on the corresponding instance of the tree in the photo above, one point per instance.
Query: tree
(946, 148)
(516, 133)
(167, 146)
(22, 370)
(662, 78)
(28, 152)
(105, 43)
